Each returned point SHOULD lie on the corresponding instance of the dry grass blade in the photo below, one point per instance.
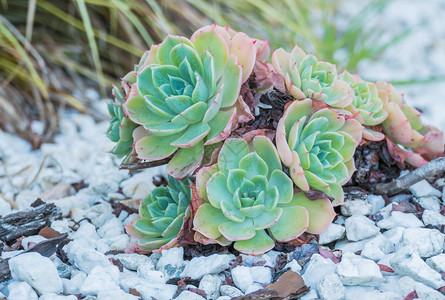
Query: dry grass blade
(45, 45)
(92, 42)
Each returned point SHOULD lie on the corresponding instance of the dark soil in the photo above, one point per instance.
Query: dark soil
(374, 165)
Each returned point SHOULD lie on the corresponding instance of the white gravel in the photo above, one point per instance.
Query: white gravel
(384, 259)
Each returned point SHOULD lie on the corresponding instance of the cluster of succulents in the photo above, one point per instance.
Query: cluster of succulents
(229, 182)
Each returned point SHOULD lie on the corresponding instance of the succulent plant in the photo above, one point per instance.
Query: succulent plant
(162, 215)
(121, 128)
(306, 77)
(190, 94)
(368, 104)
(318, 148)
(404, 126)
(245, 193)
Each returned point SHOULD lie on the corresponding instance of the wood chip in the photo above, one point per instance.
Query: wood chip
(290, 285)
(49, 233)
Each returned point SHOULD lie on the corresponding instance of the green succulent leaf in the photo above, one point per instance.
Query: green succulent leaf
(244, 198)
(160, 217)
(256, 245)
(188, 89)
(318, 148)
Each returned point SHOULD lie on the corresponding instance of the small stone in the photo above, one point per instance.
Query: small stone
(231, 291)
(311, 295)
(137, 186)
(156, 291)
(250, 260)
(340, 220)
(401, 197)
(72, 286)
(36, 270)
(316, 269)
(400, 219)
(111, 228)
(115, 295)
(390, 283)
(133, 261)
(377, 248)
(130, 279)
(331, 288)
(30, 241)
(5, 208)
(394, 235)
(430, 203)
(63, 269)
(101, 279)
(150, 275)
(294, 266)
(270, 258)
(369, 293)
(85, 258)
(424, 189)
(360, 228)
(187, 295)
(213, 264)
(384, 213)
(242, 277)
(386, 261)
(377, 203)
(155, 257)
(407, 262)
(118, 243)
(86, 230)
(433, 218)
(355, 270)
(210, 284)
(53, 296)
(437, 262)
(102, 246)
(408, 285)
(333, 233)
(253, 288)
(347, 246)
(61, 226)
(173, 257)
(356, 203)
(427, 242)
(261, 275)
(19, 290)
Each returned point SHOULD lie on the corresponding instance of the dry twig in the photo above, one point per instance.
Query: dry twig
(433, 168)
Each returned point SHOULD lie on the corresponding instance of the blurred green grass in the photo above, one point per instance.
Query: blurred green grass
(52, 50)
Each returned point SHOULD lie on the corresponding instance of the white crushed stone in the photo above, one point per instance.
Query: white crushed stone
(407, 262)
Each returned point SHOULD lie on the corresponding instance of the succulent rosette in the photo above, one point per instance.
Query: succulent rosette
(318, 149)
(368, 104)
(306, 77)
(190, 94)
(404, 127)
(161, 216)
(121, 128)
(249, 199)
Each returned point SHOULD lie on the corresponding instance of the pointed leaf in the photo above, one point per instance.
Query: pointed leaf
(321, 212)
(217, 190)
(185, 161)
(234, 231)
(231, 153)
(232, 82)
(259, 244)
(207, 220)
(292, 223)
(192, 136)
